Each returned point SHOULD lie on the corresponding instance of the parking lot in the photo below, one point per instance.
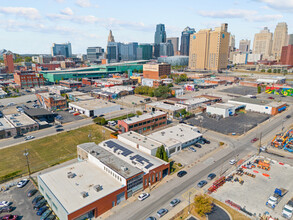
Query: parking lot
(254, 192)
(131, 101)
(68, 117)
(22, 205)
(241, 90)
(238, 124)
(187, 156)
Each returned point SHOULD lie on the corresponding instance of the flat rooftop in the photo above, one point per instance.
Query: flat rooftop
(4, 124)
(143, 117)
(110, 160)
(251, 100)
(132, 156)
(37, 112)
(68, 190)
(163, 105)
(223, 105)
(20, 119)
(141, 140)
(92, 104)
(55, 96)
(195, 101)
(180, 133)
(76, 93)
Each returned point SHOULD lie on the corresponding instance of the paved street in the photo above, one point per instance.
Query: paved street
(45, 132)
(161, 196)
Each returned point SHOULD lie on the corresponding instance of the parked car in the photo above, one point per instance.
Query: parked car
(59, 129)
(192, 149)
(206, 141)
(46, 214)
(29, 101)
(254, 140)
(201, 142)
(232, 162)
(32, 192)
(4, 203)
(151, 218)
(51, 217)
(271, 97)
(29, 138)
(181, 173)
(6, 209)
(18, 136)
(143, 196)
(9, 217)
(22, 183)
(42, 210)
(94, 117)
(288, 116)
(41, 203)
(211, 176)
(162, 212)
(71, 111)
(253, 97)
(174, 202)
(37, 199)
(58, 126)
(197, 145)
(202, 183)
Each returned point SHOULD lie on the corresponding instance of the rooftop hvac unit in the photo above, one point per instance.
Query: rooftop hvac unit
(124, 168)
(84, 194)
(70, 175)
(98, 188)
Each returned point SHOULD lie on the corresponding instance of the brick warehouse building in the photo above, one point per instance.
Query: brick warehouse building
(70, 84)
(105, 175)
(8, 62)
(156, 70)
(287, 55)
(51, 101)
(28, 79)
(143, 123)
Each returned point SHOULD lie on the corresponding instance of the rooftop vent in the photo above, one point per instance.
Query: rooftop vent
(124, 168)
(84, 194)
(70, 175)
(98, 188)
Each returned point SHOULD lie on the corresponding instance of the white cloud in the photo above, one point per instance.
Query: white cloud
(67, 11)
(59, 1)
(83, 3)
(282, 5)
(30, 13)
(248, 15)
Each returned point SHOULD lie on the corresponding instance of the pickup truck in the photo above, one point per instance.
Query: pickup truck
(288, 209)
(275, 199)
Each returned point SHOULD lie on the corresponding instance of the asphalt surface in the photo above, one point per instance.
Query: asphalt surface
(161, 196)
(241, 90)
(218, 213)
(45, 132)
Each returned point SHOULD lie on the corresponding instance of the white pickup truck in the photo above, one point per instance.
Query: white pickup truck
(288, 209)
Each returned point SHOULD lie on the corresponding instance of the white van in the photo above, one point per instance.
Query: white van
(111, 123)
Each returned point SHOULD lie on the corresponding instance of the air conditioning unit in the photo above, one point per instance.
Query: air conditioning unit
(70, 175)
(84, 194)
(98, 188)
(124, 168)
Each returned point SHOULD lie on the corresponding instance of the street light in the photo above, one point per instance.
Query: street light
(26, 153)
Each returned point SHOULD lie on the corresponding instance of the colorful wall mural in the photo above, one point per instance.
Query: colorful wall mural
(279, 91)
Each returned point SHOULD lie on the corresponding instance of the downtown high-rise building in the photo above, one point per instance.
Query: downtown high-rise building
(160, 37)
(61, 49)
(95, 54)
(262, 43)
(232, 43)
(185, 39)
(111, 37)
(244, 46)
(8, 62)
(113, 52)
(144, 52)
(166, 49)
(209, 49)
(128, 51)
(175, 43)
(280, 39)
(290, 39)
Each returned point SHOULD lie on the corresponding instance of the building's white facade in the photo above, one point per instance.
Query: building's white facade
(225, 110)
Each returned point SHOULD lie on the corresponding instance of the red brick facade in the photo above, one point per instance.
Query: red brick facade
(287, 55)
(157, 72)
(70, 84)
(29, 79)
(51, 103)
(8, 62)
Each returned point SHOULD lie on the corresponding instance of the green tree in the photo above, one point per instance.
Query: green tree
(269, 70)
(28, 59)
(62, 78)
(279, 71)
(17, 90)
(162, 154)
(274, 71)
(138, 112)
(56, 81)
(258, 89)
(140, 71)
(170, 85)
(263, 70)
(202, 204)
(285, 72)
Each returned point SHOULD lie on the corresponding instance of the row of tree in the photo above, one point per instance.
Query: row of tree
(161, 91)
(162, 154)
(274, 71)
(179, 78)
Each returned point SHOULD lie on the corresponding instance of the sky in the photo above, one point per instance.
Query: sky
(32, 26)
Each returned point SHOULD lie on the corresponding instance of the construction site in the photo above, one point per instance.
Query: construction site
(251, 186)
(284, 141)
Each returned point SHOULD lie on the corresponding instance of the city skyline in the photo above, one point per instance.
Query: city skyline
(32, 27)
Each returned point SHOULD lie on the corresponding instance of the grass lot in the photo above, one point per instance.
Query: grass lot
(48, 151)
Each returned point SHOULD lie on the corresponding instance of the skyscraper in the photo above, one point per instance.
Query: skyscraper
(61, 49)
(175, 42)
(280, 39)
(95, 54)
(144, 52)
(8, 62)
(262, 43)
(232, 42)
(160, 37)
(244, 46)
(111, 37)
(185, 39)
(129, 51)
(290, 39)
(166, 49)
(113, 52)
(209, 49)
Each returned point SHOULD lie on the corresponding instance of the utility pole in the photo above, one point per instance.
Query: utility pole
(259, 146)
(189, 202)
(103, 134)
(26, 153)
